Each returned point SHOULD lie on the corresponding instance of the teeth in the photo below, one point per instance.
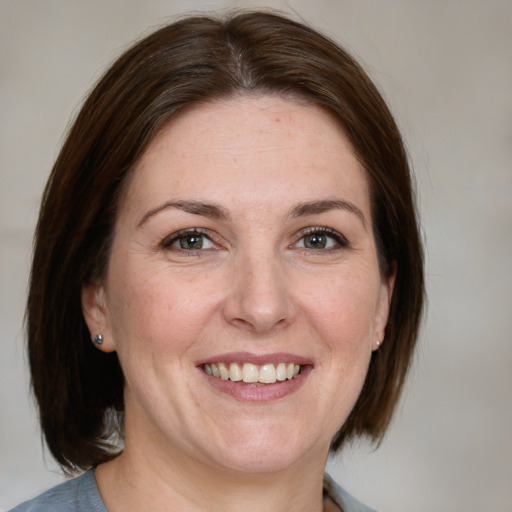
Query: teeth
(251, 373)
(224, 372)
(235, 374)
(268, 374)
(281, 372)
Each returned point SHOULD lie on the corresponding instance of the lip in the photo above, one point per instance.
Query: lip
(253, 393)
(257, 359)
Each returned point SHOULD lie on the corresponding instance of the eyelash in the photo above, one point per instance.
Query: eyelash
(184, 233)
(340, 241)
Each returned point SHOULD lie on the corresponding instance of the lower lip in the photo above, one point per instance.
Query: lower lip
(265, 393)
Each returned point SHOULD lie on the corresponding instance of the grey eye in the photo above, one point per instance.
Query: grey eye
(191, 241)
(315, 241)
(318, 241)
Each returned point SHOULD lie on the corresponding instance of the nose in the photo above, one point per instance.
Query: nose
(259, 296)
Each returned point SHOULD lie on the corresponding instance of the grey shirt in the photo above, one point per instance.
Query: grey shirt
(81, 494)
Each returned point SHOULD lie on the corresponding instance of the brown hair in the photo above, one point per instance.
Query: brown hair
(79, 389)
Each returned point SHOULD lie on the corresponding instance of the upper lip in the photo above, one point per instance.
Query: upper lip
(256, 359)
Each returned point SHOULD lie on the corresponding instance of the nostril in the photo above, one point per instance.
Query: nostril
(241, 323)
(258, 325)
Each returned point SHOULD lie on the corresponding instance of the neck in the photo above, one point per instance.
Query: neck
(140, 480)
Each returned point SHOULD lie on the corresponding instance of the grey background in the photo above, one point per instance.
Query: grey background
(446, 70)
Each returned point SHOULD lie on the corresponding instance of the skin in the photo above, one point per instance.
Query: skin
(258, 285)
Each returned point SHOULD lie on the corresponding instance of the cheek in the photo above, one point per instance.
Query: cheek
(151, 311)
(342, 317)
(344, 308)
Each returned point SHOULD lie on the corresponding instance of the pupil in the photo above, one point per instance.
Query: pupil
(316, 241)
(191, 242)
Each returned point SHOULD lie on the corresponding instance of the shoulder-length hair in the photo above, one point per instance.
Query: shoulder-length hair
(79, 389)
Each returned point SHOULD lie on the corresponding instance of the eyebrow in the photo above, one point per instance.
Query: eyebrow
(218, 212)
(325, 205)
(212, 211)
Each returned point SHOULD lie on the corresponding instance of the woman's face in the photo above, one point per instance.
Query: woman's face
(243, 248)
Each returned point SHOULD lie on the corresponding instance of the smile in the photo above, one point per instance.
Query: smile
(253, 374)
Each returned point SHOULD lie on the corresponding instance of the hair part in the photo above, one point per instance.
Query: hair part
(79, 389)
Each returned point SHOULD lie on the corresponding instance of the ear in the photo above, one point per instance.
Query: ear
(382, 312)
(96, 315)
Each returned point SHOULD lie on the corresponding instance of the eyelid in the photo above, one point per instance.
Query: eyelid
(173, 237)
(340, 239)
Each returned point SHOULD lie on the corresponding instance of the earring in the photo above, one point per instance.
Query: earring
(378, 344)
(98, 340)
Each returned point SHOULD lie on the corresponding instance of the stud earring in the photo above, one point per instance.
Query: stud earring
(378, 344)
(98, 340)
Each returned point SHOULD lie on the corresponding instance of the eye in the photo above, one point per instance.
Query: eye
(189, 240)
(321, 239)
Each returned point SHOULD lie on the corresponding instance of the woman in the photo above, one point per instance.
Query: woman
(227, 279)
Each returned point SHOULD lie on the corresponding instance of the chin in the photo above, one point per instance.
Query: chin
(266, 449)
(253, 461)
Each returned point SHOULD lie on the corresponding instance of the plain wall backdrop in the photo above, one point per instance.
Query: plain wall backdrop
(446, 70)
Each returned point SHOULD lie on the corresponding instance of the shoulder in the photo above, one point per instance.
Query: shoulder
(76, 495)
(342, 498)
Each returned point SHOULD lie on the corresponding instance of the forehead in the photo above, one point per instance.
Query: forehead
(248, 147)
